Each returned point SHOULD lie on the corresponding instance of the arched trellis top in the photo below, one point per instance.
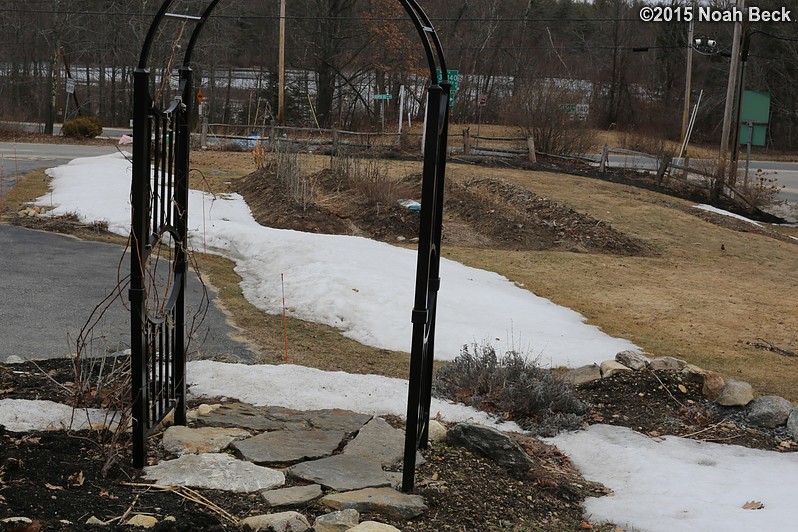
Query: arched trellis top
(429, 38)
(159, 194)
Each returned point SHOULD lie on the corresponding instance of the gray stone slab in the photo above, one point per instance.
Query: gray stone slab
(337, 419)
(383, 501)
(341, 473)
(216, 471)
(339, 521)
(281, 522)
(249, 417)
(179, 439)
(279, 418)
(292, 496)
(288, 447)
(379, 442)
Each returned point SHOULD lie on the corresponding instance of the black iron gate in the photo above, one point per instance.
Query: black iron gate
(158, 263)
(160, 213)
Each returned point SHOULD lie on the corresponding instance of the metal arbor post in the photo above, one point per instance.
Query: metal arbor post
(159, 199)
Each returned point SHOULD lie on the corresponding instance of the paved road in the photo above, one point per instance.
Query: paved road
(50, 285)
(19, 158)
(786, 173)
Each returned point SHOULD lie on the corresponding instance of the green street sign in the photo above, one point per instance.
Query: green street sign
(452, 76)
(382, 96)
(756, 112)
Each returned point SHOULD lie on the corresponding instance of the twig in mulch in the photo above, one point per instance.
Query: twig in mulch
(764, 344)
(189, 495)
(124, 515)
(710, 427)
(667, 390)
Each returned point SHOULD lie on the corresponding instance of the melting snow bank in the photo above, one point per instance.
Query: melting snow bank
(710, 208)
(303, 388)
(674, 484)
(22, 415)
(360, 286)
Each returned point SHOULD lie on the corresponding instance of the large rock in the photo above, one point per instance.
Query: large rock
(280, 522)
(289, 446)
(292, 496)
(215, 471)
(610, 367)
(792, 424)
(180, 440)
(341, 473)
(437, 431)
(493, 444)
(339, 521)
(582, 375)
(632, 360)
(736, 393)
(384, 501)
(713, 385)
(769, 411)
(667, 363)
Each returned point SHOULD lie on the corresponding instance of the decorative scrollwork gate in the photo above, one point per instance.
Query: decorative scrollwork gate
(160, 216)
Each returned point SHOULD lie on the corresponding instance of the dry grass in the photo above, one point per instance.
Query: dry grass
(694, 301)
(33, 185)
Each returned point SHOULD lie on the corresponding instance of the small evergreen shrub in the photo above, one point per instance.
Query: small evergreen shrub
(82, 127)
(512, 386)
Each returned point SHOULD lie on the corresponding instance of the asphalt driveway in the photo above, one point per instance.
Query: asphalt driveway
(50, 284)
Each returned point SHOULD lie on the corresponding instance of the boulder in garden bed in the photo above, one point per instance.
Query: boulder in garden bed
(792, 424)
(667, 364)
(713, 385)
(582, 375)
(610, 367)
(769, 411)
(632, 360)
(493, 444)
(736, 393)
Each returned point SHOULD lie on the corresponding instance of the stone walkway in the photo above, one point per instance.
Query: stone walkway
(336, 456)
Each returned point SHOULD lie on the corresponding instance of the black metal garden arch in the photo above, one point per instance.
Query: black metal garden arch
(159, 198)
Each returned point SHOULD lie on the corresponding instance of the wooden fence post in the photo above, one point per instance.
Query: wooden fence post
(663, 167)
(604, 157)
(466, 142)
(530, 142)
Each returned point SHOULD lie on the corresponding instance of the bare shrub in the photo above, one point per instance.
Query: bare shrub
(368, 178)
(285, 163)
(263, 159)
(513, 386)
(540, 109)
(761, 189)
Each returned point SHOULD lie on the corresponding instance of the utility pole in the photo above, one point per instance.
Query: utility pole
(281, 82)
(688, 82)
(730, 93)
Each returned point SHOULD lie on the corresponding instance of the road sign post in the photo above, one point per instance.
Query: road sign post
(452, 76)
(381, 98)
